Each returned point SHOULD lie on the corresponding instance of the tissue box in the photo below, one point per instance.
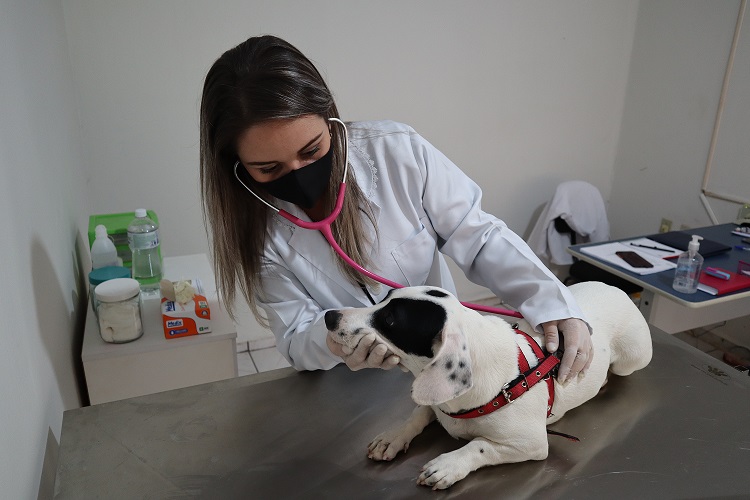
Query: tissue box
(191, 318)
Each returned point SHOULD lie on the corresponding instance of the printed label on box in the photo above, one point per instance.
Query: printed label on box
(182, 320)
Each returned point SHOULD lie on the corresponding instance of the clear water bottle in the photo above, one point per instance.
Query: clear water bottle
(143, 239)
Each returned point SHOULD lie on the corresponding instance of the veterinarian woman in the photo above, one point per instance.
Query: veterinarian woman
(266, 132)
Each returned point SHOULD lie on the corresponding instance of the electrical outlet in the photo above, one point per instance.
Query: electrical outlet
(684, 227)
(665, 226)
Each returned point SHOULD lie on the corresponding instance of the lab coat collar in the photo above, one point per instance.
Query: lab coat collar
(313, 247)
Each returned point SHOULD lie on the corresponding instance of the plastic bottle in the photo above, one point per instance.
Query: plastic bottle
(688, 268)
(103, 251)
(143, 239)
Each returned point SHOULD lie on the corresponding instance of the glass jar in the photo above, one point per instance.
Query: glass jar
(99, 276)
(118, 309)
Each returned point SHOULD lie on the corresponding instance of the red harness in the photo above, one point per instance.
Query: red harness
(529, 377)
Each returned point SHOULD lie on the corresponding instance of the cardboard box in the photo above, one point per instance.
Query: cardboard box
(191, 318)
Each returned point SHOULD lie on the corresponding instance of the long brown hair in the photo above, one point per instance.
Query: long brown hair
(264, 78)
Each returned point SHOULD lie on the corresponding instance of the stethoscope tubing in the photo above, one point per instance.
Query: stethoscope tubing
(324, 226)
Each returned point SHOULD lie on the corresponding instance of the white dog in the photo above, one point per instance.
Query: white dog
(467, 364)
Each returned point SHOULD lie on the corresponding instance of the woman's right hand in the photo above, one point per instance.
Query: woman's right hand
(368, 354)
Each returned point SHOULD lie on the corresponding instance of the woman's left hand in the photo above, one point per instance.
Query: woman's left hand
(579, 350)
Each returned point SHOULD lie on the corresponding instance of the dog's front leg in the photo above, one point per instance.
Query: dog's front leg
(449, 468)
(388, 444)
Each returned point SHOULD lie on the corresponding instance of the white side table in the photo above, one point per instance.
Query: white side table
(153, 363)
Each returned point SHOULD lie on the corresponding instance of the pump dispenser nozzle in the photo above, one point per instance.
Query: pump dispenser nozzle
(694, 244)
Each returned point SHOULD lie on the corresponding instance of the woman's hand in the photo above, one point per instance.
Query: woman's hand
(368, 354)
(579, 350)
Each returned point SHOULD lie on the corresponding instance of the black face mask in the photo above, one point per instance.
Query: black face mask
(303, 186)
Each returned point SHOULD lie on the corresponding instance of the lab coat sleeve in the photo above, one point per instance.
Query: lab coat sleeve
(296, 320)
(485, 249)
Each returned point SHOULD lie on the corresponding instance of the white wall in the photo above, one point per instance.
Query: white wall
(679, 58)
(520, 94)
(43, 203)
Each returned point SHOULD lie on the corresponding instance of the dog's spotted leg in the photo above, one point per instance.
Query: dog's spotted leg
(449, 468)
(388, 444)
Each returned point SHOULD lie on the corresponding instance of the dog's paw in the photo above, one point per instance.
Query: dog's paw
(387, 445)
(442, 472)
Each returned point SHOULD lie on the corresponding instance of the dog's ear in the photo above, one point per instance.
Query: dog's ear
(448, 375)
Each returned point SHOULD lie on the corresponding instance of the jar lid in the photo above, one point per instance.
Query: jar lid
(107, 273)
(117, 289)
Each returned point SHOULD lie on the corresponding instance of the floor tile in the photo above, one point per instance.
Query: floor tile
(245, 364)
(261, 342)
(268, 359)
(696, 342)
(242, 347)
(736, 331)
(716, 353)
(713, 341)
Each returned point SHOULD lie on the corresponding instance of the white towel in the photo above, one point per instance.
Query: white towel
(578, 203)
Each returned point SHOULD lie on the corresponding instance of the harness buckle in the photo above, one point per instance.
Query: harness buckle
(507, 395)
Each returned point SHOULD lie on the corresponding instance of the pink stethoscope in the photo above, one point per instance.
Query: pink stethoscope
(324, 226)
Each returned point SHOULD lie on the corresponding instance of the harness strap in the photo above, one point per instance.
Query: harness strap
(542, 358)
(515, 388)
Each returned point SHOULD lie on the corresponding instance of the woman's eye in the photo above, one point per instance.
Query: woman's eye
(268, 170)
(312, 152)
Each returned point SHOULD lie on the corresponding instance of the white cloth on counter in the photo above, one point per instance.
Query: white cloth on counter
(581, 206)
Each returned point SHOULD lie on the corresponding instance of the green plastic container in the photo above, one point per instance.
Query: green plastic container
(117, 229)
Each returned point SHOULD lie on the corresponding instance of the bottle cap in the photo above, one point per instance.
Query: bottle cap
(101, 231)
(140, 213)
(117, 290)
(99, 276)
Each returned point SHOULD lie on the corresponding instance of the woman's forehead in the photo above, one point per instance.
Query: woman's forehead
(272, 139)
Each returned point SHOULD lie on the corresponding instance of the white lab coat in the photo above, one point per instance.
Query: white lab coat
(423, 205)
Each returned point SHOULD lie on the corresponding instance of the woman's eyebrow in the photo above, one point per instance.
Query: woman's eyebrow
(303, 148)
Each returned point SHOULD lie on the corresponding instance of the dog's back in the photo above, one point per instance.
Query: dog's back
(611, 311)
(621, 338)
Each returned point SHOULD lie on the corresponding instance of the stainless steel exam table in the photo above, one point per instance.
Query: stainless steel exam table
(678, 429)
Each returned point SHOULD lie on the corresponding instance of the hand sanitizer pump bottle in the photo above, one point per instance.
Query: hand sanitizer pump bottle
(688, 268)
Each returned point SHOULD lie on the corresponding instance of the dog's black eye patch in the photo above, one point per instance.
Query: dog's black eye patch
(436, 293)
(410, 324)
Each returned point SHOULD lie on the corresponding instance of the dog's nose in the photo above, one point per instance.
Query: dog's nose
(332, 319)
